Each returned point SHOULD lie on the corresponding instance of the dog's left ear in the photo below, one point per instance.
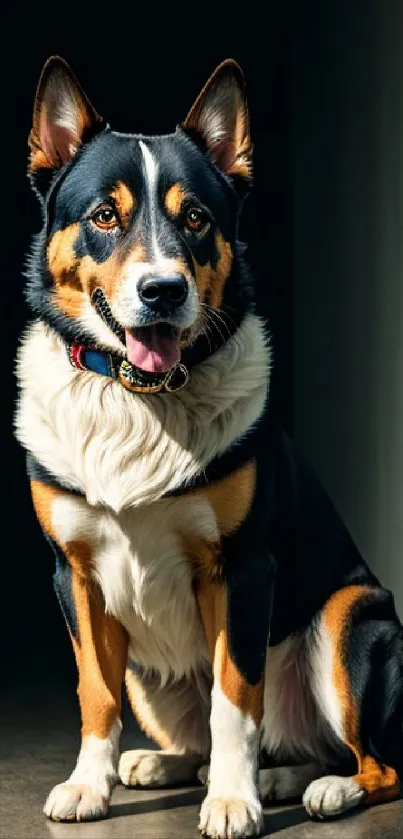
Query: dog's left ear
(220, 116)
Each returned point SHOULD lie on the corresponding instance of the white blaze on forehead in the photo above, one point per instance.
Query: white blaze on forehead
(151, 174)
(150, 164)
(126, 303)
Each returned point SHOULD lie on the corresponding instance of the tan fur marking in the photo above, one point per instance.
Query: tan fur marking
(242, 164)
(101, 649)
(243, 167)
(174, 199)
(37, 159)
(380, 783)
(109, 274)
(101, 655)
(70, 301)
(75, 279)
(205, 558)
(63, 265)
(62, 260)
(230, 499)
(143, 710)
(125, 202)
(336, 617)
(210, 281)
(212, 600)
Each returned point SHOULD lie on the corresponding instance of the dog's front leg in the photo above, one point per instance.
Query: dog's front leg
(232, 807)
(101, 655)
(100, 647)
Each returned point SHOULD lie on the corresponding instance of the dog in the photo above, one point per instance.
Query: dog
(198, 558)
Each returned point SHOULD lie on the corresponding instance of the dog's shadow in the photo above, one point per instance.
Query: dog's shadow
(185, 798)
(273, 822)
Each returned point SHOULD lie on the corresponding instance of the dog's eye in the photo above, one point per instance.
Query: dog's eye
(105, 217)
(196, 220)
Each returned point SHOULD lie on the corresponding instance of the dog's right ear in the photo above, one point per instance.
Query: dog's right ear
(63, 118)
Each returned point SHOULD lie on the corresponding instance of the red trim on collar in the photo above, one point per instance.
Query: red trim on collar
(76, 351)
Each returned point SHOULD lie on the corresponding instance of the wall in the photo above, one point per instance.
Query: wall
(347, 113)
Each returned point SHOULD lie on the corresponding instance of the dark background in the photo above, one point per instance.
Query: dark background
(142, 75)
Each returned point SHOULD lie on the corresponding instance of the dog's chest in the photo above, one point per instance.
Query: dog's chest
(140, 563)
(123, 450)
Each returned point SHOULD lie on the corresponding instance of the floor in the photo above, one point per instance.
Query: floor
(38, 744)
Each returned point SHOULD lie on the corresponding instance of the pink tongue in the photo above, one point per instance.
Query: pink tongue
(150, 350)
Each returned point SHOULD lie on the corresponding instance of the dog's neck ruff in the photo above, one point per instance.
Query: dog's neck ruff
(137, 380)
(123, 450)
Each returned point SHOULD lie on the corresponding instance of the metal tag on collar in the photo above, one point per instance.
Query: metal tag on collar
(138, 381)
(177, 378)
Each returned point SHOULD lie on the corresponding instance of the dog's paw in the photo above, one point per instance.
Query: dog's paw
(222, 818)
(75, 802)
(146, 768)
(284, 783)
(332, 796)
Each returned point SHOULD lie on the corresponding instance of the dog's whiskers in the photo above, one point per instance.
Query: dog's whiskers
(213, 313)
(205, 330)
(208, 316)
(222, 313)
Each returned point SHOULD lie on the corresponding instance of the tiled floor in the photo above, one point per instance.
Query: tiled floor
(38, 744)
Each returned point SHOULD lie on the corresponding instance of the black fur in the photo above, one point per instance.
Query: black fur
(375, 666)
(62, 579)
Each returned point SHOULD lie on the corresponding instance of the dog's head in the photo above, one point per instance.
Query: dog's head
(139, 240)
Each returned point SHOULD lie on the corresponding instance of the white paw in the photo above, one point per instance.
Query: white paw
(331, 796)
(282, 783)
(75, 802)
(146, 768)
(222, 818)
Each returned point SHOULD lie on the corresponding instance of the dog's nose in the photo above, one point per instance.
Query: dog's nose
(163, 292)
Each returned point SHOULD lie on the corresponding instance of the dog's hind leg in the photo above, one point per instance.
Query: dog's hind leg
(278, 783)
(359, 696)
(285, 783)
(176, 717)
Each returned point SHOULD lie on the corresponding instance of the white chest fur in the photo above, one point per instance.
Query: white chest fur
(124, 450)
(140, 564)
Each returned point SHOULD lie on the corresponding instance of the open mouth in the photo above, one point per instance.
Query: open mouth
(153, 348)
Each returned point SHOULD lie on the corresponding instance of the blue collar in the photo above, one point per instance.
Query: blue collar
(130, 376)
(140, 381)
